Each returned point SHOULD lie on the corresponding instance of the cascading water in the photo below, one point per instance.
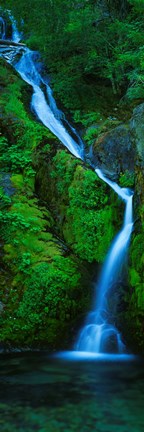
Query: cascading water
(99, 334)
(16, 36)
(39, 103)
(43, 103)
(2, 29)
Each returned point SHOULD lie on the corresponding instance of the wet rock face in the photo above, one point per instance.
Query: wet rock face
(122, 149)
(115, 152)
(137, 131)
(5, 182)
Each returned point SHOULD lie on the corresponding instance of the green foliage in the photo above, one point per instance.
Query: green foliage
(85, 46)
(81, 204)
(91, 135)
(16, 159)
(43, 284)
(5, 200)
(134, 277)
(48, 295)
(91, 118)
(65, 167)
(89, 216)
(135, 295)
(127, 179)
(97, 42)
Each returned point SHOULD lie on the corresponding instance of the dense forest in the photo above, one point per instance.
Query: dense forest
(57, 218)
(84, 44)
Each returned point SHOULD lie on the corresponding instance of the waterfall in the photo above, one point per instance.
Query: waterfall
(16, 36)
(39, 103)
(99, 334)
(42, 103)
(2, 29)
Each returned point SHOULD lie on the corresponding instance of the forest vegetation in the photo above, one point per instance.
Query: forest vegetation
(57, 218)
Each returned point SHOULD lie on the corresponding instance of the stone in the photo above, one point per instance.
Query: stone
(1, 307)
(137, 131)
(114, 152)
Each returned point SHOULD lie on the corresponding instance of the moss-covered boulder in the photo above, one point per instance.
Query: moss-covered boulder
(85, 215)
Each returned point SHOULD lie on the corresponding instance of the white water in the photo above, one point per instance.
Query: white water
(2, 28)
(16, 36)
(39, 103)
(99, 334)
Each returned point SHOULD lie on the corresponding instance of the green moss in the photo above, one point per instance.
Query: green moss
(89, 216)
(134, 277)
(135, 295)
(79, 202)
(43, 279)
(127, 179)
(17, 181)
(44, 282)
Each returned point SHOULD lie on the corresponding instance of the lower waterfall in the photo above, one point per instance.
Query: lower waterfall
(99, 334)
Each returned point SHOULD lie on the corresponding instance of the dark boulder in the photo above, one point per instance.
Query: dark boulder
(114, 152)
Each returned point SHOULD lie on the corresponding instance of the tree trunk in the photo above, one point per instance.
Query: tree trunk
(10, 43)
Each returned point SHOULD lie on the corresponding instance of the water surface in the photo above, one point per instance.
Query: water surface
(39, 393)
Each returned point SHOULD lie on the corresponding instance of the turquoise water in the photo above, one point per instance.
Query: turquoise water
(39, 393)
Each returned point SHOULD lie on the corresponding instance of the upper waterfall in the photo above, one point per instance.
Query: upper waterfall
(26, 68)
